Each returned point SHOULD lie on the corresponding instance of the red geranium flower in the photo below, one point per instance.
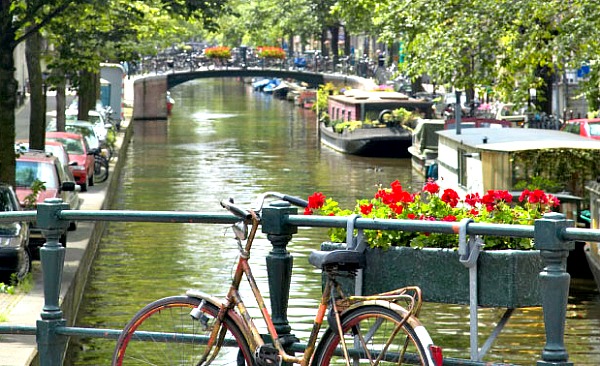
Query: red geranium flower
(316, 201)
(472, 199)
(431, 186)
(366, 209)
(450, 197)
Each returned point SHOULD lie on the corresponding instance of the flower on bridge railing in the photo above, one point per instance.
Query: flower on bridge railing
(271, 52)
(496, 206)
(218, 52)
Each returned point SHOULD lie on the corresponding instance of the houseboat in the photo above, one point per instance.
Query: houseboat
(592, 249)
(306, 98)
(370, 131)
(424, 149)
(475, 160)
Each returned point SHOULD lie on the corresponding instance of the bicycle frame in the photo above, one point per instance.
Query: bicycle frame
(411, 295)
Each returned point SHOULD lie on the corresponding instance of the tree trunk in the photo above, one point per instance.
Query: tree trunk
(335, 36)
(8, 103)
(347, 43)
(87, 94)
(324, 48)
(61, 104)
(290, 45)
(37, 105)
(544, 93)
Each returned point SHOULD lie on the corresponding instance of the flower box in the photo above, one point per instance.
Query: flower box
(506, 278)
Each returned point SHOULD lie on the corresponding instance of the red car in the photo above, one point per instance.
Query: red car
(81, 157)
(586, 127)
(40, 166)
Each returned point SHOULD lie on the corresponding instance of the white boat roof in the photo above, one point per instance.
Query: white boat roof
(519, 139)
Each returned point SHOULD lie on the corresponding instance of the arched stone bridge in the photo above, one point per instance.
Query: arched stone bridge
(150, 93)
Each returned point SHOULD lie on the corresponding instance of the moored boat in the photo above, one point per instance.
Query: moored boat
(424, 148)
(306, 98)
(592, 249)
(375, 142)
(364, 123)
(476, 160)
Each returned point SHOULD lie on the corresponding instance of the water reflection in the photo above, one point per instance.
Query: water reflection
(226, 140)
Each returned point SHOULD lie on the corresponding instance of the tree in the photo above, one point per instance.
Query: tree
(18, 21)
(510, 45)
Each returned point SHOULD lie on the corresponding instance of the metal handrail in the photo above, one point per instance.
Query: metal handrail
(552, 234)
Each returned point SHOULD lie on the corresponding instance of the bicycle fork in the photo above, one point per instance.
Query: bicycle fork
(217, 335)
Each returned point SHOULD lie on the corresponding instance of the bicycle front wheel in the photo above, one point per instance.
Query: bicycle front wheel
(164, 333)
(369, 339)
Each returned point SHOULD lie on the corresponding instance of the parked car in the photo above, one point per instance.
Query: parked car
(57, 149)
(15, 257)
(86, 129)
(511, 113)
(586, 127)
(80, 156)
(95, 117)
(46, 168)
(100, 130)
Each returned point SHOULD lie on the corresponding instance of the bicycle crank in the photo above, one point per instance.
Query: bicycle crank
(267, 355)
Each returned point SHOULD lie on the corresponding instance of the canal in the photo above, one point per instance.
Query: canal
(225, 140)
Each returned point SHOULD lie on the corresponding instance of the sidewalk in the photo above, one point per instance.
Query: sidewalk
(25, 309)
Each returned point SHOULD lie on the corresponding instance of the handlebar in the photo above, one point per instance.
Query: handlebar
(258, 205)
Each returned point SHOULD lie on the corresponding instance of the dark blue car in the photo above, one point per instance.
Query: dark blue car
(14, 240)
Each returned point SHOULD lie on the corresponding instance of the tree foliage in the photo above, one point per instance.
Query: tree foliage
(510, 45)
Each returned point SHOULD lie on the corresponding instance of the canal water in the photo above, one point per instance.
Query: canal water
(225, 140)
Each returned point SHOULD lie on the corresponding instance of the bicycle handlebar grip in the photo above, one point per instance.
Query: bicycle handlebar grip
(295, 200)
(236, 210)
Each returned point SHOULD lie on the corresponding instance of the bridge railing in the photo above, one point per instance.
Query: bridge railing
(553, 235)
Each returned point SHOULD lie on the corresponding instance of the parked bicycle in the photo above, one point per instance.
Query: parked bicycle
(101, 165)
(194, 329)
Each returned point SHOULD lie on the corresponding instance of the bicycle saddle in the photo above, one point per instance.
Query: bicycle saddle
(344, 260)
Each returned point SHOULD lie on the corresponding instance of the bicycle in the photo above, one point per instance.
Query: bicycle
(101, 165)
(378, 329)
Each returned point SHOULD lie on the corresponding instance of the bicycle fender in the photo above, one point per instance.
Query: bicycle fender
(413, 321)
(387, 304)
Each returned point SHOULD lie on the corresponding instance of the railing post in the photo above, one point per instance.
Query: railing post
(554, 281)
(51, 346)
(279, 264)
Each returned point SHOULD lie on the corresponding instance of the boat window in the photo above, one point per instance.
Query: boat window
(350, 116)
(343, 115)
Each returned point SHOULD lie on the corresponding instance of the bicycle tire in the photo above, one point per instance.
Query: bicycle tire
(369, 326)
(172, 315)
(100, 169)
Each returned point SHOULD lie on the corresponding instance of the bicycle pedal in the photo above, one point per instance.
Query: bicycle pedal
(267, 355)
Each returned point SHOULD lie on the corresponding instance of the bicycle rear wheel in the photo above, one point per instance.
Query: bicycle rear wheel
(100, 169)
(367, 331)
(172, 315)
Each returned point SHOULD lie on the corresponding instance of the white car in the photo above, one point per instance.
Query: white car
(95, 118)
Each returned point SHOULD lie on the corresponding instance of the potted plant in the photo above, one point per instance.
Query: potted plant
(219, 53)
(271, 52)
(508, 267)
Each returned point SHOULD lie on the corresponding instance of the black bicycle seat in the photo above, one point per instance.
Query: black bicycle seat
(344, 260)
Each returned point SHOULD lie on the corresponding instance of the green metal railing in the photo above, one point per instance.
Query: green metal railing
(553, 235)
